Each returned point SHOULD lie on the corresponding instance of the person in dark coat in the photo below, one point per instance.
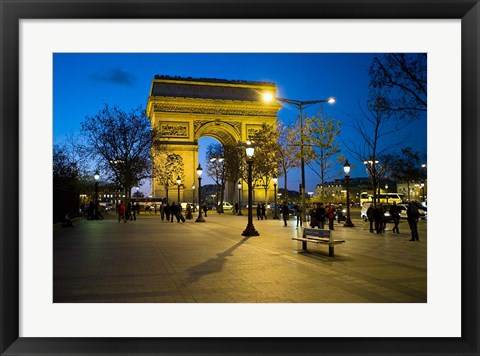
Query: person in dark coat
(371, 216)
(259, 212)
(173, 211)
(313, 215)
(331, 216)
(379, 215)
(205, 209)
(395, 214)
(285, 213)
(264, 211)
(320, 216)
(298, 214)
(168, 211)
(412, 218)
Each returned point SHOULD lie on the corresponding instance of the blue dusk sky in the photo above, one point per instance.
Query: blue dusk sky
(83, 82)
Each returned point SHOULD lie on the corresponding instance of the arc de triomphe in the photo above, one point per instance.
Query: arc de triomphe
(186, 109)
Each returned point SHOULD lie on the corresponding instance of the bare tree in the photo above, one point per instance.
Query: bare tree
(378, 132)
(216, 169)
(122, 144)
(401, 80)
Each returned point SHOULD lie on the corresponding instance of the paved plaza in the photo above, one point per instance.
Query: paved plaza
(154, 261)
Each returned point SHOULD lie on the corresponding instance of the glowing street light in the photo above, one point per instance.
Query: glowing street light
(239, 186)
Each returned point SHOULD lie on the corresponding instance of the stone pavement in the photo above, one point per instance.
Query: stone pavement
(150, 260)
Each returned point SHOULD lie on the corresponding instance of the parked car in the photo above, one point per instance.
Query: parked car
(421, 210)
(184, 206)
(227, 206)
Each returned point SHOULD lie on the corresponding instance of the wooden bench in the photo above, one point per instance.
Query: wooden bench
(320, 237)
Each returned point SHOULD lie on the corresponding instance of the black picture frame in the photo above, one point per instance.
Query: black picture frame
(11, 11)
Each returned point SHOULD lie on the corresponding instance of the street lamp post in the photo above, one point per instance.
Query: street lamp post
(193, 197)
(166, 190)
(250, 229)
(300, 105)
(346, 168)
(422, 185)
(239, 186)
(386, 192)
(95, 210)
(199, 173)
(275, 180)
(178, 184)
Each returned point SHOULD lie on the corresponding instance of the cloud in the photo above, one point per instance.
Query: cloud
(116, 76)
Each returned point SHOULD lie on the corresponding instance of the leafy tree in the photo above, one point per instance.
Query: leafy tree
(266, 156)
(288, 151)
(407, 168)
(321, 144)
(121, 142)
(65, 171)
(401, 80)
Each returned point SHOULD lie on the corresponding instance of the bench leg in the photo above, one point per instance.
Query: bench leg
(304, 245)
(330, 250)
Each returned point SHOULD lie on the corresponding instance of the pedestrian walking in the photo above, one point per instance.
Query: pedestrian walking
(236, 208)
(162, 211)
(173, 211)
(378, 216)
(188, 212)
(298, 214)
(320, 215)
(121, 212)
(395, 214)
(313, 215)
(205, 209)
(264, 211)
(331, 216)
(168, 211)
(285, 213)
(371, 216)
(412, 218)
(259, 212)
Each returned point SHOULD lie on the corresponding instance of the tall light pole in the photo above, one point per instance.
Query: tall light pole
(300, 104)
(239, 186)
(275, 180)
(371, 166)
(386, 192)
(96, 176)
(178, 184)
(199, 173)
(166, 190)
(250, 229)
(346, 168)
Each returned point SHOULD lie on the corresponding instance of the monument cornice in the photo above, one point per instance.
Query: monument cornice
(212, 107)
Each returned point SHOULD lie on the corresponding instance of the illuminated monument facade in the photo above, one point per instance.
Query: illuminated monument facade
(186, 109)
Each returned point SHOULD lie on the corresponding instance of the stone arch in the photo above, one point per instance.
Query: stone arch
(186, 109)
(221, 131)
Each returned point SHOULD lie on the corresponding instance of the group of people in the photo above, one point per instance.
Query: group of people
(261, 211)
(376, 216)
(129, 212)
